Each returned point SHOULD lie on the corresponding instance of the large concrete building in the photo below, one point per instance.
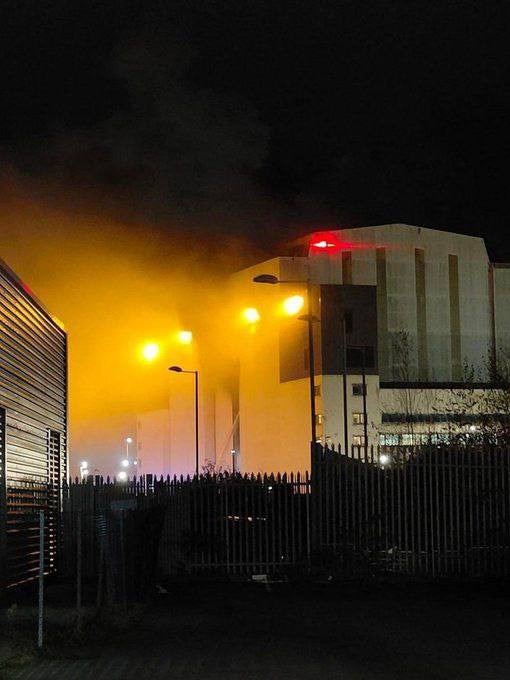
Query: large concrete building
(424, 310)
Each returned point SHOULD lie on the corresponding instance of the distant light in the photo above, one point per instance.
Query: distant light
(384, 459)
(84, 464)
(150, 351)
(125, 463)
(327, 242)
(135, 462)
(129, 440)
(251, 315)
(294, 304)
(472, 428)
(185, 337)
(122, 476)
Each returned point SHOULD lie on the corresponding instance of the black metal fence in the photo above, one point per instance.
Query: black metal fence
(420, 511)
(431, 511)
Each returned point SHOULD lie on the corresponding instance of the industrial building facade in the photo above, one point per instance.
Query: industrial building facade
(33, 428)
(423, 310)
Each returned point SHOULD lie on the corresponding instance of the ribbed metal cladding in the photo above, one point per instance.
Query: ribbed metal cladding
(33, 401)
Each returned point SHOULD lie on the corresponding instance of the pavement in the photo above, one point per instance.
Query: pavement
(342, 631)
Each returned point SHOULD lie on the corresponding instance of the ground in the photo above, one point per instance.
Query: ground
(249, 631)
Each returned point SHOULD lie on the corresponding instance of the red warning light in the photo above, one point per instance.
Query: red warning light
(326, 242)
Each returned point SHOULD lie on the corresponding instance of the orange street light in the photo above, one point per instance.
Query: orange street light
(185, 337)
(294, 304)
(251, 315)
(150, 351)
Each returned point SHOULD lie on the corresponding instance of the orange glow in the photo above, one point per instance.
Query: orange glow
(294, 304)
(150, 351)
(251, 315)
(185, 337)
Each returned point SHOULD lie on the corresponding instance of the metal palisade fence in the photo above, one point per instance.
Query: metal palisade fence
(213, 524)
(428, 511)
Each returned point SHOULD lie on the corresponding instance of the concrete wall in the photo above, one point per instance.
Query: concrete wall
(400, 242)
(153, 442)
(501, 276)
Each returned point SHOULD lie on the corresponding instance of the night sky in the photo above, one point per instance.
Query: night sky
(264, 119)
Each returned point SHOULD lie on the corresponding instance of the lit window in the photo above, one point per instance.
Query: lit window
(358, 418)
(317, 390)
(358, 440)
(358, 389)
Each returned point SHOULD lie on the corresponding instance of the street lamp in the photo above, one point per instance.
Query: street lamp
(178, 369)
(310, 319)
(129, 440)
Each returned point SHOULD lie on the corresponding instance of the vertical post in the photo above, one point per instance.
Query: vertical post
(78, 572)
(196, 423)
(123, 560)
(315, 509)
(364, 382)
(344, 386)
(311, 361)
(41, 581)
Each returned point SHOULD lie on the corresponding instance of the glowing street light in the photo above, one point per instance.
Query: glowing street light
(185, 337)
(178, 369)
(294, 304)
(150, 351)
(84, 469)
(125, 462)
(251, 315)
(122, 476)
(384, 459)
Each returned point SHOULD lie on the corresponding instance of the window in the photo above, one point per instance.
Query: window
(348, 321)
(389, 439)
(357, 390)
(358, 418)
(317, 390)
(358, 440)
(359, 356)
(319, 419)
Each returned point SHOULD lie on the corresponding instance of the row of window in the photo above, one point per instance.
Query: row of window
(415, 439)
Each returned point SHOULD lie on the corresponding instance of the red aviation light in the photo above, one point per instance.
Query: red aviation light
(326, 242)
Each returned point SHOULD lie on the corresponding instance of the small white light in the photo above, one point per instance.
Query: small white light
(125, 463)
(270, 488)
(135, 462)
(122, 476)
(84, 464)
(472, 428)
(384, 459)
(129, 440)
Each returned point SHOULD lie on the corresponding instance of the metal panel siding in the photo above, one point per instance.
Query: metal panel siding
(33, 394)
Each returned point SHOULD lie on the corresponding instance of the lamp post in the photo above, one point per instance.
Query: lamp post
(129, 440)
(178, 369)
(310, 319)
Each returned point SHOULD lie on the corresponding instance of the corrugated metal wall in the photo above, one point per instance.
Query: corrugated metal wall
(33, 412)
